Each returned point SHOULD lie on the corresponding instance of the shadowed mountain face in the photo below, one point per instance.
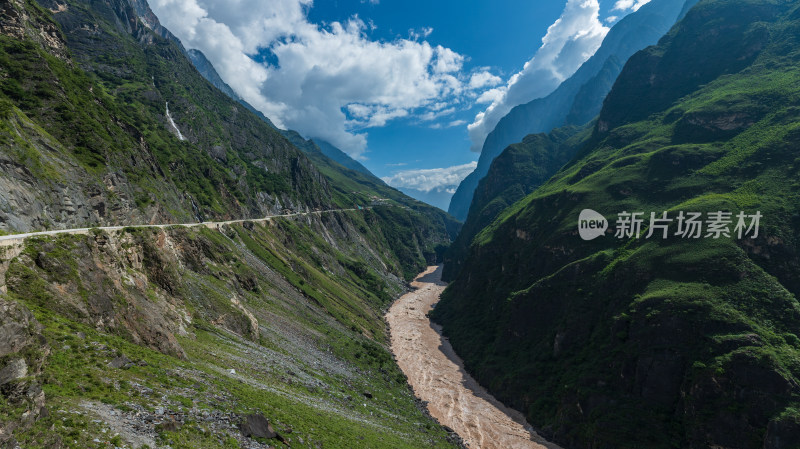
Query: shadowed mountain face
(516, 172)
(578, 99)
(657, 342)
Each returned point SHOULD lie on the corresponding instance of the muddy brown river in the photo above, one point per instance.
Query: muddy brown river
(437, 375)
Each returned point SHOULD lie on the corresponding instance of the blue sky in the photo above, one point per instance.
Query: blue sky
(410, 88)
(501, 35)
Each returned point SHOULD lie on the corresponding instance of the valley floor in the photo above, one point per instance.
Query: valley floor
(438, 377)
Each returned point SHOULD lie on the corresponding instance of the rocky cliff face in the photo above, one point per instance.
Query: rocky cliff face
(578, 99)
(23, 354)
(656, 342)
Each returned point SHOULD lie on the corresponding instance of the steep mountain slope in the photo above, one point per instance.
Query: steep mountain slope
(91, 127)
(207, 70)
(355, 188)
(515, 173)
(204, 66)
(180, 337)
(89, 142)
(652, 342)
(352, 181)
(185, 337)
(578, 99)
(342, 158)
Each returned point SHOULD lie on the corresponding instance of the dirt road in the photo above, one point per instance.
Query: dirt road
(16, 239)
(437, 376)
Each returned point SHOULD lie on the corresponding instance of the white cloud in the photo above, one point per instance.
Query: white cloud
(431, 178)
(625, 5)
(483, 79)
(456, 123)
(491, 96)
(422, 33)
(434, 114)
(569, 42)
(451, 124)
(330, 82)
(611, 19)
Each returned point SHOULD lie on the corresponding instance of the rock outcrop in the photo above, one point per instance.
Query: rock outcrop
(23, 353)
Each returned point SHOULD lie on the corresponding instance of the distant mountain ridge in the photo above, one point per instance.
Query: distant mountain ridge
(578, 99)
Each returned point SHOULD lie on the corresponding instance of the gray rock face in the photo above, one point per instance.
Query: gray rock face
(257, 426)
(14, 370)
(23, 351)
(120, 362)
(16, 324)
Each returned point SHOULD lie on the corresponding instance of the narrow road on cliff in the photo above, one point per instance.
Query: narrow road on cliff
(18, 238)
(437, 375)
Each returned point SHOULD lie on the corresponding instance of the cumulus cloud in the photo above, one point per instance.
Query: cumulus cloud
(430, 179)
(629, 5)
(569, 42)
(483, 79)
(330, 81)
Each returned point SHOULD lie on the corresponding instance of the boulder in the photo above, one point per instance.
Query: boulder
(15, 369)
(257, 426)
(120, 362)
(168, 426)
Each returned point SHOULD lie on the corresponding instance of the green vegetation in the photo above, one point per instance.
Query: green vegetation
(656, 343)
(320, 346)
(104, 109)
(516, 172)
(293, 306)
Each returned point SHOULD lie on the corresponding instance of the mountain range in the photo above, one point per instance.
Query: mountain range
(651, 337)
(579, 98)
(217, 335)
(223, 282)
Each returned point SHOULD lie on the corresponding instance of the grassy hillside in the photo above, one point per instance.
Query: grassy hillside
(658, 343)
(173, 337)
